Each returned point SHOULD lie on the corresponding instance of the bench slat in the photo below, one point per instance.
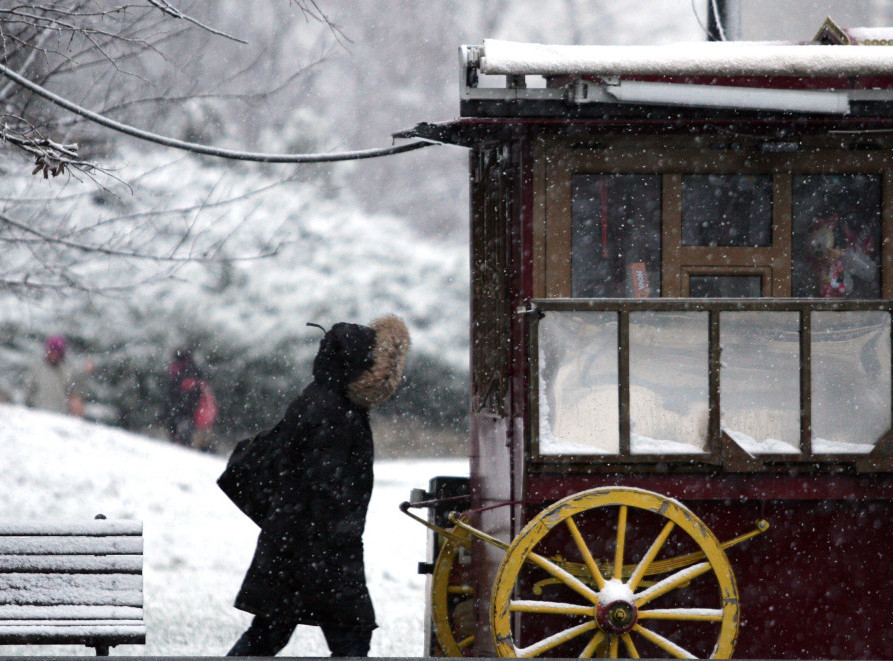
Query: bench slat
(87, 589)
(95, 527)
(74, 564)
(73, 624)
(55, 634)
(58, 545)
(16, 613)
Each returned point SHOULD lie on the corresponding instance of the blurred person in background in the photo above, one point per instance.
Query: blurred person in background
(190, 409)
(51, 385)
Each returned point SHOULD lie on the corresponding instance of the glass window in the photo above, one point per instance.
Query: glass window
(669, 382)
(760, 377)
(615, 235)
(850, 380)
(836, 236)
(579, 405)
(725, 286)
(726, 210)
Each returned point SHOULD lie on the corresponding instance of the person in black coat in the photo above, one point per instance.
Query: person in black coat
(307, 483)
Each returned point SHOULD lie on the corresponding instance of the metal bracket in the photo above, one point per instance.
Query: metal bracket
(529, 309)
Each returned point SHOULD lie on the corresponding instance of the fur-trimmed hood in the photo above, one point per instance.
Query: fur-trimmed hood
(380, 381)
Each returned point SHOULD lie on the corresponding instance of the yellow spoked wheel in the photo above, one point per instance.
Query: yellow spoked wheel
(452, 596)
(688, 608)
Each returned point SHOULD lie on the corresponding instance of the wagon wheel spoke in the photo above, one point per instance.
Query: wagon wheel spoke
(564, 576)
(465, 643)
(630, 646)
(555, 640)
(666, 645)
(683, 614)
(551, 607)
(621, 542)
(671, 583)
(649, 557)
(585, 552)
(592, 645)
(614, 648)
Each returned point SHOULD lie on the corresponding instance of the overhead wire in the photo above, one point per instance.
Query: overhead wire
(206, 150)
(704, 28)
(715, 13)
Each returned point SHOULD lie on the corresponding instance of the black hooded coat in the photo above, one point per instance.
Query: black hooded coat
(311, 498)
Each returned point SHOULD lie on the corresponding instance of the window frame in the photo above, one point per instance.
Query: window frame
(556, 160)
(720, 449)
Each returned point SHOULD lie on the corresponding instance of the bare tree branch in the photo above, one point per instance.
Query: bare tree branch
(166, 8)
(104, 54)
(111, 252)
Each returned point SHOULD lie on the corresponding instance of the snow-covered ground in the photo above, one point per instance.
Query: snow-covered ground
(197, 544)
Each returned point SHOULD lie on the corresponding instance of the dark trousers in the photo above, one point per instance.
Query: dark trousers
(267, 636)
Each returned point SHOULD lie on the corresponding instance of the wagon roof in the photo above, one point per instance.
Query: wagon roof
(840, 80)
(690, 59)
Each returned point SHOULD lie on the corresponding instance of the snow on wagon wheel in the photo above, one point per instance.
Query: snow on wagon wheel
(665, 589)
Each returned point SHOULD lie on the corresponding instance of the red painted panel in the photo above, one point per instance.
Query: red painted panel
(719, 486)
(816, 585)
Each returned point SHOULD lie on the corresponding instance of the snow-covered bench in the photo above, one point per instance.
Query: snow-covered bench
(72, 583)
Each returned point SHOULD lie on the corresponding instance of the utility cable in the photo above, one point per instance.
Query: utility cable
(205, 149)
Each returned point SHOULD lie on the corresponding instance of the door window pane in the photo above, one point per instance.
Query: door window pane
(615, 235)
(726, 210)
(579, 404)
(760, 377)
(850, 380)
(668, 382)
(836, 236)
(725, 286)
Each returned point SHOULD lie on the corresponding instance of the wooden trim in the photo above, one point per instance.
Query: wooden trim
(887, 234)
(731, 256)
(704, 155)
(671, 236)
(806, 382)
(623, 381)
(764, 272)
(558, 223)
(782, 235)
(714, 397)
(538, 167)
(880, 459)
(707, 304)
(735, 459)
(533, 404)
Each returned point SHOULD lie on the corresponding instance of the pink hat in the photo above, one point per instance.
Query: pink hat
(55, 344)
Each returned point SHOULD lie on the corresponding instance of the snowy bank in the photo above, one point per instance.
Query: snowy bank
(197, 544)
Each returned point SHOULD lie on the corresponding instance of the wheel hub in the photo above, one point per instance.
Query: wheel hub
(617, 617)
(616, 612)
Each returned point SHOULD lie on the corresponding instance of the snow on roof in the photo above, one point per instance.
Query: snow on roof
(871, 36)
(738, 58)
